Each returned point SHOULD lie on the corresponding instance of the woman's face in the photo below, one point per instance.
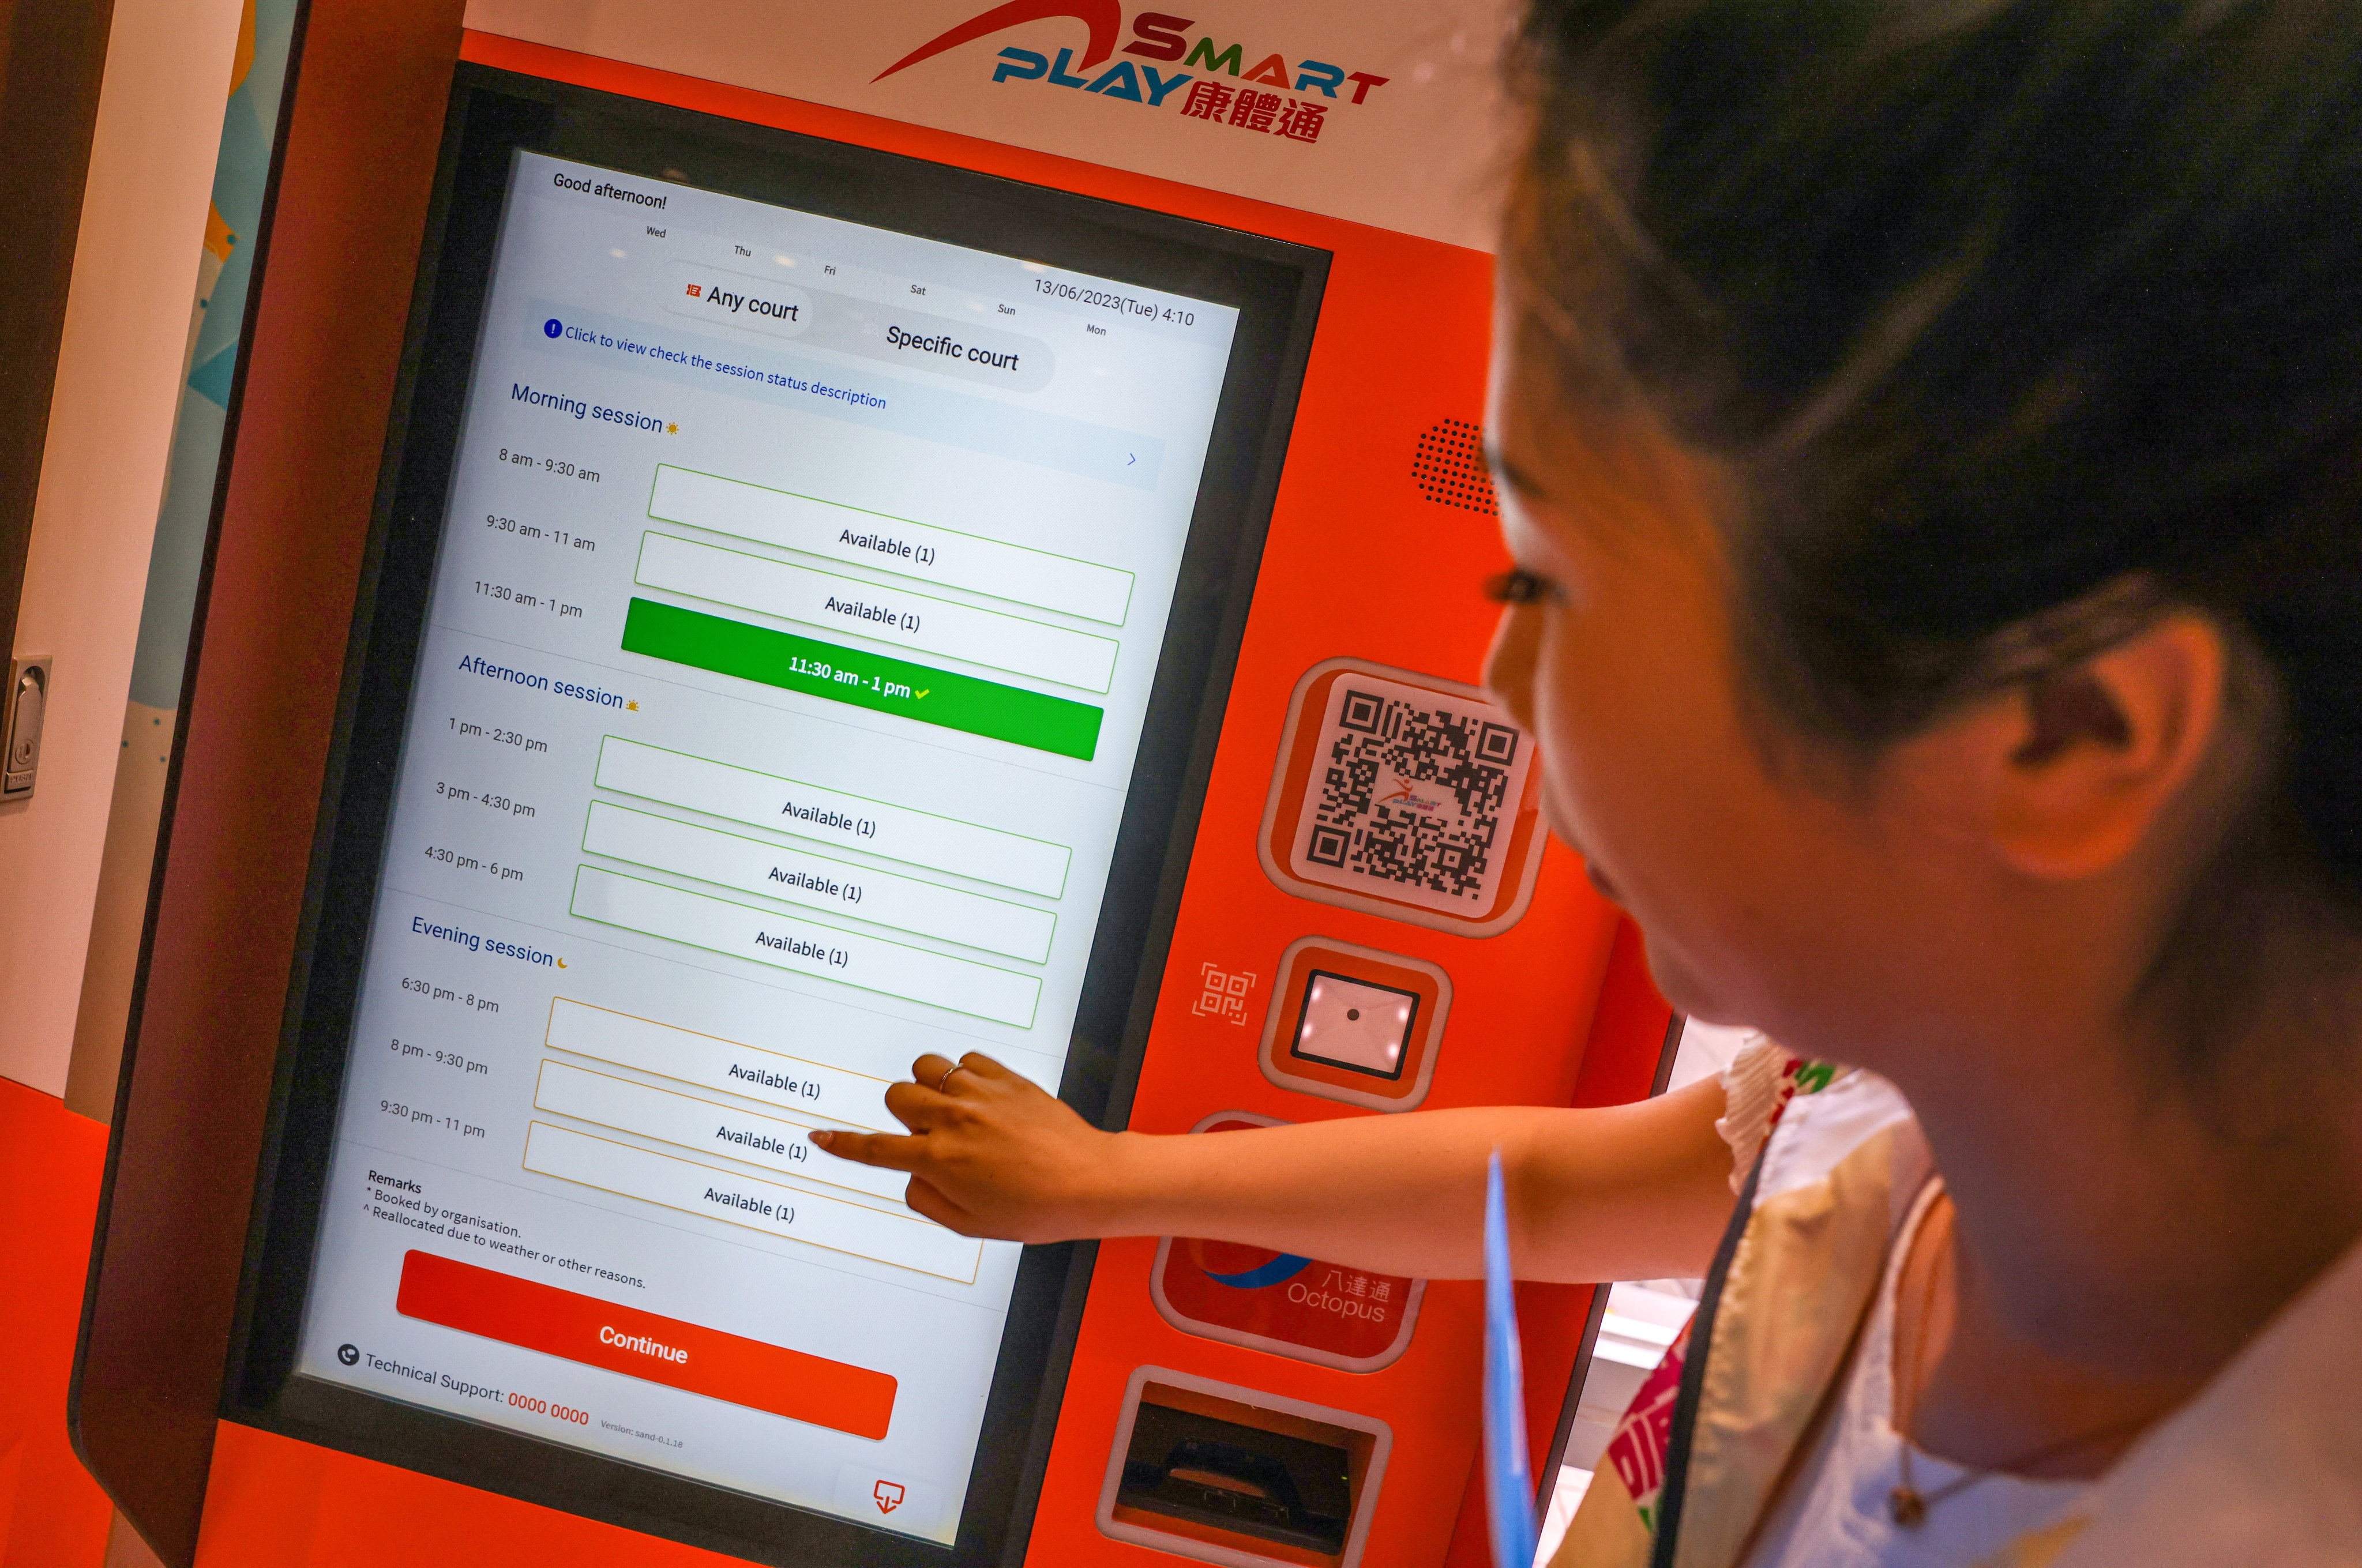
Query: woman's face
(1792, 896)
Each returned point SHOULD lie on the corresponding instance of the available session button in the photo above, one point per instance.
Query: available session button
(802, 947)
(815, 1088)
(791, 876)
(898, 1237)
(897, 545)
(812, 810)
(702, 1124)
(921, 621)
(645, 1345)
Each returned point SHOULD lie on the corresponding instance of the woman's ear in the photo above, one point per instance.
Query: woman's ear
(2078, 766)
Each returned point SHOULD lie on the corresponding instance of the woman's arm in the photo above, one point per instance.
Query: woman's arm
(1632, 1192)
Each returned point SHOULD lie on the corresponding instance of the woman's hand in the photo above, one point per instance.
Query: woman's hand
(1627, 1192)
(989, 1153)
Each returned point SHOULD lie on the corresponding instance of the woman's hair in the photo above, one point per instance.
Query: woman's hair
(2017, 324)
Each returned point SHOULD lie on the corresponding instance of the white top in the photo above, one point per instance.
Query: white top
(1835, 1512)
(2265, 1466)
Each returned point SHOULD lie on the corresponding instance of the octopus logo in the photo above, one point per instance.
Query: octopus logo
(1282, 1268)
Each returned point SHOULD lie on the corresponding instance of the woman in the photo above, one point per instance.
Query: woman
(1932, 441)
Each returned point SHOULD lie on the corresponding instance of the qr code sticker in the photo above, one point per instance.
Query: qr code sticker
(1412, 796)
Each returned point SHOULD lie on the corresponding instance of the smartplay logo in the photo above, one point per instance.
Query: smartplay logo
(1406, 796)
(1223, 88)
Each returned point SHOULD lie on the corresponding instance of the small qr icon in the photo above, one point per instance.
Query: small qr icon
(1412, 796)
(1225, 995)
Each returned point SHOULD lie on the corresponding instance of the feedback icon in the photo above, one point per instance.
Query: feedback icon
(889, 1495)
(552, 327)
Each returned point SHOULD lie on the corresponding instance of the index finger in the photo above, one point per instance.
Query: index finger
(887, 1151)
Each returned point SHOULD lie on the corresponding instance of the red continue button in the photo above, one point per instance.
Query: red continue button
(642, 1344)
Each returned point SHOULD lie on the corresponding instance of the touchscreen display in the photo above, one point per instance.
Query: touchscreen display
(799, 594)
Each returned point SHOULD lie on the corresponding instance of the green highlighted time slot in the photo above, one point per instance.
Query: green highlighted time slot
(878, 682)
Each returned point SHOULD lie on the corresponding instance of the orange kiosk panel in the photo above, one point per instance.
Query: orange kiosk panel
(1355, 912)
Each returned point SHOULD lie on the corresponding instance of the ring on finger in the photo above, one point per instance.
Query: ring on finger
(943, 1083)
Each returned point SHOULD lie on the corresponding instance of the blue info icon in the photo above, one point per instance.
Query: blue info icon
(552, 327)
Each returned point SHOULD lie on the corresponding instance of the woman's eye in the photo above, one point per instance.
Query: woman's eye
(1515, 586)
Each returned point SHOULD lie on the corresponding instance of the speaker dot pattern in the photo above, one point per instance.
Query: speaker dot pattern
(1449, 467)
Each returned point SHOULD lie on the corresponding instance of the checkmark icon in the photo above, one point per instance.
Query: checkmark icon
(922, 691)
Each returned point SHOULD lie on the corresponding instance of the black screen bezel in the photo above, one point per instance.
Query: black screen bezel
(492, 115)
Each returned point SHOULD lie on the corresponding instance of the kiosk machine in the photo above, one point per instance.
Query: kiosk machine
(758, 545)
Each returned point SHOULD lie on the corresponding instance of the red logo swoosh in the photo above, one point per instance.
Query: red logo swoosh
(1104, 18)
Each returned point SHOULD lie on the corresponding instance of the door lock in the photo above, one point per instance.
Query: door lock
(23, 706)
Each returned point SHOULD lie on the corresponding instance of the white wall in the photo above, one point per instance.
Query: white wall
(126, 327)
